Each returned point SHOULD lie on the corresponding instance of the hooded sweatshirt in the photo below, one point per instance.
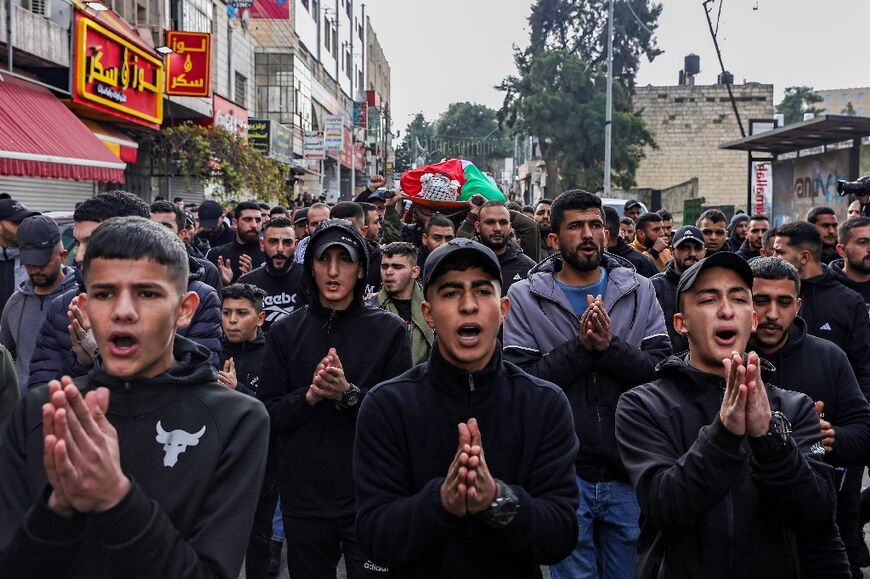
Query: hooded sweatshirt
(317, 441)
(23, 316)
(666, 291)
(836, 267)
(643, 265)
(733, 243)
(834, 312)
(194, 452)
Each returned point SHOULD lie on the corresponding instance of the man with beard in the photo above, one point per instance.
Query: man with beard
(712, 225)
(853, 270)
(244, 253)
(616, 245)
(542, 218)
(593, 327)
(737, 232)
(439, 230)
(626, 229)
(688, 250)
(280, 277)
(825, 220)
(402, 295)
(650, 240)
(632, 209)
(753, 244)
(821, 370)
(42, 255)
(493, 230)
(213, 231)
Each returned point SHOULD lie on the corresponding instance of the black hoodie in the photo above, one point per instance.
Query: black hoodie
(836, 268)
(715, 504)
(819, 369)
(641, 264)
(248, 360)
(317, 441)
(666, 292)
(188, 512)
(834, 312)
(234, 251)
(746, 252)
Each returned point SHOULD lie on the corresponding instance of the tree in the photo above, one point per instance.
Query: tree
(471, 131)
(417, 134)
(580, 27)
(796, 101)
(561, 99)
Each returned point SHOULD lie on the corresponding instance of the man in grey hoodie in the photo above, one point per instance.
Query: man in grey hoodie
(42, 255)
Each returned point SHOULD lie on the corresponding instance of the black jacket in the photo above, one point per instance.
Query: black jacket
(211, 240)
(819, 369)
(317, 441)
(666, 292)
(373, 274)
(515, 266)
(233, 251)
(8, 258)
(715, 504)
(248, 360)
(836, 268)
(733, 244)
(746, 253)
(205, 271)
(284, 294)
(184, 518)
(407, 428)
(642, 265)
(836, 313)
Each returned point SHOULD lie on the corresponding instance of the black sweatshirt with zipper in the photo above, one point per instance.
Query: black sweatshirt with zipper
(406, 440)
(715, 504)
(182, 518)
(317, 441)
(248, 360)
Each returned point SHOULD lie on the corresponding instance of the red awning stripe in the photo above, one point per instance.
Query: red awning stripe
(40, 137)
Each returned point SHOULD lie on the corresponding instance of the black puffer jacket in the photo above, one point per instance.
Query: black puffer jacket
(317, 441)
(834, 312)
(666, 292)
(714, 504)
(407, 428)
(642, 265)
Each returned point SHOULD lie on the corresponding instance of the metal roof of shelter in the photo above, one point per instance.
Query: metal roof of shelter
(822, 130)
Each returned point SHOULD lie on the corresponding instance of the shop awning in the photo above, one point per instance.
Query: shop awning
(117, 142)
(40, 137)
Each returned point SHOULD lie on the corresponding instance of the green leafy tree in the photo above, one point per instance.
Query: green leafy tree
(414, 140)
(796, 101)
(562, 100)
(471, 131)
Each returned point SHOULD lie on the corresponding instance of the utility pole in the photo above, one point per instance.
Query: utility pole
(608, 117)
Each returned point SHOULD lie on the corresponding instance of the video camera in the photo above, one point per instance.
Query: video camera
(859, 187)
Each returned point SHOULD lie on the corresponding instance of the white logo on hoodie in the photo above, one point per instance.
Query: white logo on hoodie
(176, 442)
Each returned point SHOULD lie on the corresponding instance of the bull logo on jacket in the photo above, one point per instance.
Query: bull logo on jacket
(176, 442)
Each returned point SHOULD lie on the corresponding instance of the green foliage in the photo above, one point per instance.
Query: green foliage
(216, 156)
(471, 131)
(419, 131)
(562, 100)
(796, 101)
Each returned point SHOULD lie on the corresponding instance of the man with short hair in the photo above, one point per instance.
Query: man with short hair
(825, 220)
(42, 255)
(651, 241)
(493, 228)
(688, 250)
(767, 241)
(632, 209)
(280, 277)
(12, 213)
(212, 228)
(317, 214)
(616, 245)
(319, 364)
(439, 230)
(146, 467)
(174, 218)
(821, 370)
(853, 269)
(243, 253)
(402, 295)
(832, 311)
(242, 342)
(486, 498)
(737, 232)
(626, 229)
(712, 224)
(615, 345)
(178, 202)
(722, 477)
(278, 211)
(372, 221)
(751, 247)
(667, 223)
(265, 210)
(854, 209)
(542, 218)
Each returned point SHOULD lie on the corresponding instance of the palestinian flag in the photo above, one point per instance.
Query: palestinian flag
(472, 181)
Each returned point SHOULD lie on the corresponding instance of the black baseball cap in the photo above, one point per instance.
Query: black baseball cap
(688, 233)
(335, 236)
(723, 259)
(454, 248)
(632, 203)
(301, 215)
(37, 237)
(209, 214)
(15, 211)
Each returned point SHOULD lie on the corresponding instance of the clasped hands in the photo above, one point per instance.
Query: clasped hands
(468, 487)
(329, 381)
(745, 407)
(595, 326)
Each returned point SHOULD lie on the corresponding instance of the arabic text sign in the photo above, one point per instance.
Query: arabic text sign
(116, 76)
(312, 145)
(188, 68)
(333, 133)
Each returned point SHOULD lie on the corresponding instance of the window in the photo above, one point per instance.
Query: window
(327, 33)
(38, 7)
(861, 96)
(844, 96)
(197, 15)
(241, 94)
(349, 8)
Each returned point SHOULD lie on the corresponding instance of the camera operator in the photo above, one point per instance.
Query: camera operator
(860, 190)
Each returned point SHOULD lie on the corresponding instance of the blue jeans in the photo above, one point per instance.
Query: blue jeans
(607, 547)
(278, 524)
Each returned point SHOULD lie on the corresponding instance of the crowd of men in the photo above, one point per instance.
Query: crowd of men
(473, 393)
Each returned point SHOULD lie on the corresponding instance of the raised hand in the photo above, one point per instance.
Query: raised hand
(482, 488)
(454, 489)
(225, 268)
(227, 376)
(599, 325)
(757, 404)
(828, 433)
(245, 263)
(732, 413)
(57, 500)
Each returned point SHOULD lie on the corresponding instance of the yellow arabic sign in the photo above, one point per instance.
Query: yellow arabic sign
(116, 76)
(188, 68)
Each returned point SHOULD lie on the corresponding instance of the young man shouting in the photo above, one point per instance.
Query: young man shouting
(494, 497)
(145, 467)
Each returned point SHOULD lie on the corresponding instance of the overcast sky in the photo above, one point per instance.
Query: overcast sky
(457, 50)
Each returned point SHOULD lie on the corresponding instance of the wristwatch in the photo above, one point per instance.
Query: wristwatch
(503, 510)
(350, 398)
(778, 433)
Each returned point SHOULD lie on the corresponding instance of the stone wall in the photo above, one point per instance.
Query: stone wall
(689, 123)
